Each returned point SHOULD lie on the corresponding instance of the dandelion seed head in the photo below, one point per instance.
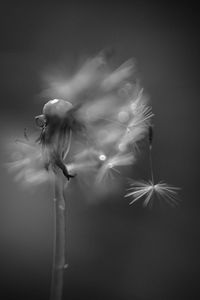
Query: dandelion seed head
(95, 128)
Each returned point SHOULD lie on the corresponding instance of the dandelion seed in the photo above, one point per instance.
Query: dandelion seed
(141, 116)
(106, 170)
(148, 190)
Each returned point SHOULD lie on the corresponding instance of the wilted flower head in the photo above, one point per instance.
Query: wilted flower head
(92, 125)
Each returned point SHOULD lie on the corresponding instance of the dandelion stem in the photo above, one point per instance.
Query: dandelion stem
(150, 152)
(151, 164)
(59, 238)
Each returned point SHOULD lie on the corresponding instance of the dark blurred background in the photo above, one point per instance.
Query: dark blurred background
(115, 251)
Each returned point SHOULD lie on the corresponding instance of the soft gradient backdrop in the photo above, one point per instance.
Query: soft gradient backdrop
(115, 251)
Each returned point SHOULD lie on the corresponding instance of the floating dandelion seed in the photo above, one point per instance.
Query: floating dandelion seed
(110, 164)
(148, 190)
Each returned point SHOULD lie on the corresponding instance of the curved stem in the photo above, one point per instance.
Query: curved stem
(59, 238)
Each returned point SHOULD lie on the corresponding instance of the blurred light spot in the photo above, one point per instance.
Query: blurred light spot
(133, 106)
(123, 116)
(102, 157)
(122, 147)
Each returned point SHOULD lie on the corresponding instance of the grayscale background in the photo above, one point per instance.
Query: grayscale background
(115, 251)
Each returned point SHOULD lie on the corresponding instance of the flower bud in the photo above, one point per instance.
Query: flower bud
(57, 108)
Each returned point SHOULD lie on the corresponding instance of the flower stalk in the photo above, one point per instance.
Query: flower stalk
(59, 238)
